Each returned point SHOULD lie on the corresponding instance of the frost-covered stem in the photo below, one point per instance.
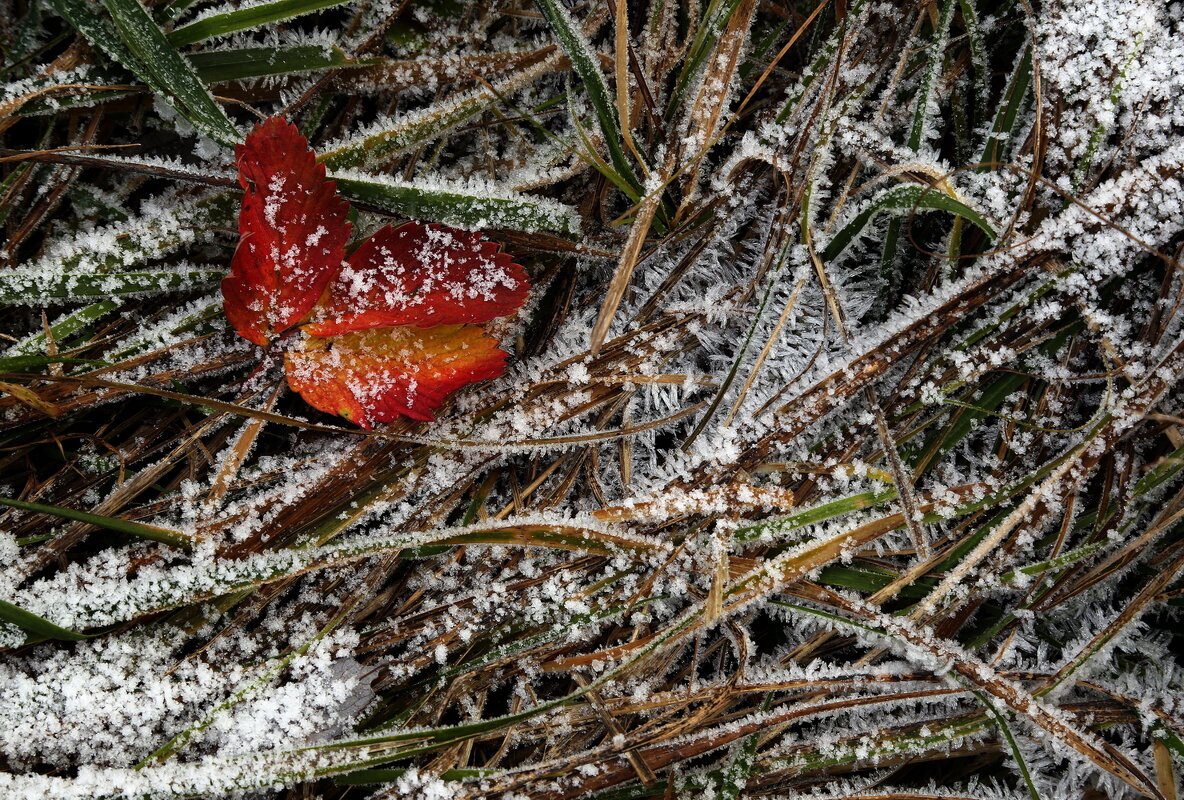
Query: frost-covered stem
(919, 132)
(629, 257)
(238, 452)
(956, 576)
(900, 475)
(1133, 610)
(1056, 725)
(1082, 458)
(636, 759)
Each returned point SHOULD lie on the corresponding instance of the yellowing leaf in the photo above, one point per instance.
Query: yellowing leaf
(377, 375)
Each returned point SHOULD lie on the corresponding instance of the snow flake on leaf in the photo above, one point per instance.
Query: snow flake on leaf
(292, 229)
(382, 373)
(389, 331)
(421, 275)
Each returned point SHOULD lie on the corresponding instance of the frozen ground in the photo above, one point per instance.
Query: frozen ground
(838, 453)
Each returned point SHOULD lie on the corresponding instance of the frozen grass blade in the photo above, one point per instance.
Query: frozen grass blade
(218, 66)
(35, 625)
(903, 199)
(60, 331)
(138, 43)
(638, 232)
(241, 19)
(167, 71)
(380, 142)
(32, 363)
(139, 530)
(1014, 95)
(469, 206)
(584, 61)
(539, 593)
(18, 286)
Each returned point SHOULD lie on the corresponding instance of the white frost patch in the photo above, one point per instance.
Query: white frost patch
(113, 701)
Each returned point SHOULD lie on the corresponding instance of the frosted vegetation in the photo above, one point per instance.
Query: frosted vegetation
(838, 454)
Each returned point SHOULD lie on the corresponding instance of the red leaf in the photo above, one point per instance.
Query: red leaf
(377, 375)
(293, 232)
(396, 311)
(421, 275)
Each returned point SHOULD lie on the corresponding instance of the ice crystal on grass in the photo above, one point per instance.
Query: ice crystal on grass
(867, 280)
(113, 701)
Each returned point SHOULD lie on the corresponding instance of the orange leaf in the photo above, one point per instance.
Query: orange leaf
(376, 375)
(293, 232)
(421, 275)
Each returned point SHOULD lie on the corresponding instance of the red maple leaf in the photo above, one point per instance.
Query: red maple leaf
(392, 329)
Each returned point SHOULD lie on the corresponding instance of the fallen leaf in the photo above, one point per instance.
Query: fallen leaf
(293, 230)
(377, 375)
(385, 332)
(421, 275)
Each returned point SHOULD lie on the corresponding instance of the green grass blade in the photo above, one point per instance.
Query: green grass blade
(166, 12)
(207, 316)
(589, 154)
(781, 525)
(138, 44)
(741, 352)
(715, 19)
(98, 30)
(384, 139)
(24, 37)
(1171, 740)
(1002, 129)
(64, 328)
(1012, 745)
(104, 261)
(937, 736)
(584, 62)
(864, 580)
(937, 55)
(12, 177)
(917, 131)
(25, 287)
(218, 66)
(31, 363)
(964, 421)
(1162, 472)
(1103, 126)
(226, 576)
(901, 199)
(167, 71)
(136, 529)
(265, 676)
(30, 622)
(245, 18)
(473, 206)
(819, 65)
(978, 60)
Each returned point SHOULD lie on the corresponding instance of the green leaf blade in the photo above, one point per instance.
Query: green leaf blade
(136, 529)
(245, 18)
(132, 38)
(220, 66)
(460, 204)
(22, 287)
(583, 61)
(905, 198)
(38, 626)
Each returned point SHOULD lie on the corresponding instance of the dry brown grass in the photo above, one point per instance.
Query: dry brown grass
(770, 501)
